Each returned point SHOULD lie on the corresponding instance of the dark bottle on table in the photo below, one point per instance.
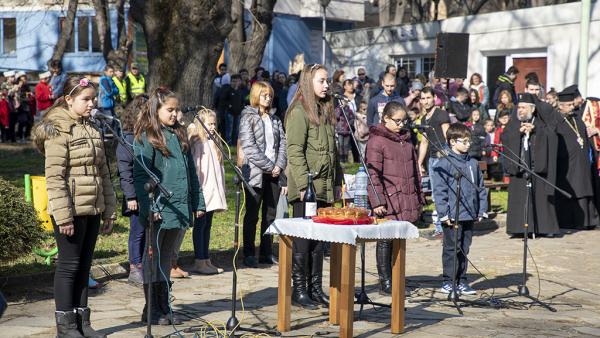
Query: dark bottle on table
(310, 199)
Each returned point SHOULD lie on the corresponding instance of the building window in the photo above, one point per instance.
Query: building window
(8, 35)
(85, 38)
(416, 65)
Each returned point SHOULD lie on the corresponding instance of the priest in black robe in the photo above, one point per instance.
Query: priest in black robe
(530, 139)
(575, 168)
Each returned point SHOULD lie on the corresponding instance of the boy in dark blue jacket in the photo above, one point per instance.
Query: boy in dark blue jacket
(473, 204)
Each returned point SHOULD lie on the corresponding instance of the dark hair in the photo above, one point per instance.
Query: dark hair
(236, 76)
(504, 112)
(257, 69)
(243, 70)
(512, 70)
(336, 75)
(56, 64)
(131, 112)
(456, 131)
(391, 108)
(462, 90)
(108, 66)
(532, 81)
(427, 90)
(149, 123)
(487, 120)
(266, 75)
(476, 95)
(347, 81)
(532, 76)
(222, 65)
(552, 92)
(387, 68)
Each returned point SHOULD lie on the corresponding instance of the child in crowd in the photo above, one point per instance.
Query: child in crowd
(392, 164)
(211, 175)
(343, 130)
(472, 205)
(5, 109)
(161, 145)
(361, 129)
(459, 108)
(503, 119)
(494, 171)
(477, 134)
(130, 203)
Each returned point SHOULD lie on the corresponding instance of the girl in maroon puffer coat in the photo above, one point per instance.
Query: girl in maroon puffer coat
(392, 165)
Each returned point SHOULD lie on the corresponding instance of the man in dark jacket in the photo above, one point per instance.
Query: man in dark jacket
(506, 81)
(232, 100)
(459, 108)
(378, 102)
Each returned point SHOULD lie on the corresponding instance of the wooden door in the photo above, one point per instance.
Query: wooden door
(528, 65)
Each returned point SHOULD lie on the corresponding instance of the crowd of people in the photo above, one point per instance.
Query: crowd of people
(285, 128)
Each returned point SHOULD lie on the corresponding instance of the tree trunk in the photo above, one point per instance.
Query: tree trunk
(103, 24)
(65, 33)
(184, 40)
(115, 57)
(247, 53)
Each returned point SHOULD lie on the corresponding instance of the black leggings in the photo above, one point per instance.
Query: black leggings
(268, 196)
(74, 262)
(303, 245)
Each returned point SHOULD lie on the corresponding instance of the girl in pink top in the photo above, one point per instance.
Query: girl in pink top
(211, 174)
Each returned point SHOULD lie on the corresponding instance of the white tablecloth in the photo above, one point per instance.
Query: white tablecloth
(348, 234)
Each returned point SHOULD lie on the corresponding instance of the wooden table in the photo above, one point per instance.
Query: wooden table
(341, 289)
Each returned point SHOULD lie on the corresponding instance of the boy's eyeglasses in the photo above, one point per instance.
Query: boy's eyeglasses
(464, 141)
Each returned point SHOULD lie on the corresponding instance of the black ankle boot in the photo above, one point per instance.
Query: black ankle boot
(163, 295)
(66, 324)
(84, 325)
(156, 317)
(315, 284)
(384, 266)
(300, 295)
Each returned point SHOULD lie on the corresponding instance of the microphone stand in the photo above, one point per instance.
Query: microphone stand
(523, 290)
(361, 297)
(454, 295)
(150, 187)
(233, 324)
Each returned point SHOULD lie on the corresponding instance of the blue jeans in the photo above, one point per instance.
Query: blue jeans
(431, 164)
(232, 126)
(201, 235)
(136, 241)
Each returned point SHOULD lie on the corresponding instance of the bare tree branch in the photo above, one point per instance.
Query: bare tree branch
(65, 33)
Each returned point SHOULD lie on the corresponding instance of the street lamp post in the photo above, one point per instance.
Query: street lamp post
(324, 4)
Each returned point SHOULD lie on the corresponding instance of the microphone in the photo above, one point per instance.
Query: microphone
(340, 97)
(419, 127)
(191, 109)
(97, 115)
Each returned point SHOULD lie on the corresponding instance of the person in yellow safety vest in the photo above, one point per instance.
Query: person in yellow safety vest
(136, 84)
(119, 80)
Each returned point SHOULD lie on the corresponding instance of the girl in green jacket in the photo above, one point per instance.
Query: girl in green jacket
(311, 147)
(161, 145)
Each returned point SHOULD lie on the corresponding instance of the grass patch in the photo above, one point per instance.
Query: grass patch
(18, 160)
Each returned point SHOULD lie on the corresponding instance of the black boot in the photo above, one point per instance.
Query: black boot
(83, 324)
(156, 317)
(66, 324)
(163, 301)
(299, 282)
(384, 266)
(315, 284)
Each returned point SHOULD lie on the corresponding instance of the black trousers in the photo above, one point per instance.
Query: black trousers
(74, 262)
(302, 245)
(465, 237)
(158, 269)
(12, 123)
(268, 196)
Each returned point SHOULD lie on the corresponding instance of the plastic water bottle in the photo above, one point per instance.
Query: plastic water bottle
(361, 182)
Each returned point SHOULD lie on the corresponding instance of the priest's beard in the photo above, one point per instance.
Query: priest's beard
(526, 117)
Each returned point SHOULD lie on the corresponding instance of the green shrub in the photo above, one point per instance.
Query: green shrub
(20, 228)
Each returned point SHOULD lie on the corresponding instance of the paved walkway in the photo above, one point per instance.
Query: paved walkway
(569, 271)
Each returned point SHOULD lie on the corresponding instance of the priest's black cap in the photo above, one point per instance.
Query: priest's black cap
(566, 96)
(526, 98)
(573, 89)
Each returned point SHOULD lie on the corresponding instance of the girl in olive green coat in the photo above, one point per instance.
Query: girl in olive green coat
(161, 145)
(311, 148)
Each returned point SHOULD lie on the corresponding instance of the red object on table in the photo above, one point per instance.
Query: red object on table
(343, 221)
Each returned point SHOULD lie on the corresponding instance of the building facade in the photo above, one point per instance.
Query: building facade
(540, 39)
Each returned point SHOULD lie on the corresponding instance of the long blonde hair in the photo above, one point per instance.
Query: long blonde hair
(196, 132)
(317, 110)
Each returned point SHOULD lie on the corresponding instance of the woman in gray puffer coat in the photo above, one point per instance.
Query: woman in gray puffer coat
(262, 144)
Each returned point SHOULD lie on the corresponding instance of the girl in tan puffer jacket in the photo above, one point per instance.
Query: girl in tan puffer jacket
(80, 194)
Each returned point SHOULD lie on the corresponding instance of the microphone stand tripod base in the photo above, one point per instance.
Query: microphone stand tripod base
(523, 290)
